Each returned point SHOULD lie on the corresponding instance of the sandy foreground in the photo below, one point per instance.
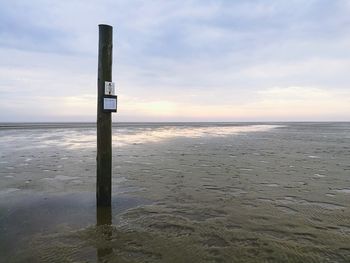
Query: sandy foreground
(182, 193)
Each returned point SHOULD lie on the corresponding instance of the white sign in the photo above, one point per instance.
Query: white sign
(110, 103)
(109, 88)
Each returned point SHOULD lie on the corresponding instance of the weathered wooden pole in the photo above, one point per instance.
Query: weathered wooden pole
(104, 218)
(104, 119)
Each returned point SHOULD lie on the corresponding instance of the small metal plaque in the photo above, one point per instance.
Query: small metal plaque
(110, 104)
(109, 88)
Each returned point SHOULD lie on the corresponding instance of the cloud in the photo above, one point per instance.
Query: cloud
(304, 103)
(176, 59)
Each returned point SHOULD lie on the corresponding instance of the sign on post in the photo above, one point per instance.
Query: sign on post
(109, 88)
(110, 104)
(109, 98)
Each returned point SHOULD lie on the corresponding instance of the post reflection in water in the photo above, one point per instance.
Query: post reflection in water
(104, 227)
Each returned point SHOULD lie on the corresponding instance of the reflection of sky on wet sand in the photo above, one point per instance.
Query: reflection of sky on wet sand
(160, 134)
(86, 138)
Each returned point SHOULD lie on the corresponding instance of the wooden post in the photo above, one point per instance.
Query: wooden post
(104, 119)
(104, 218)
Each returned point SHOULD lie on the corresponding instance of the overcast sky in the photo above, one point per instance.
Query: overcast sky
(200, 60)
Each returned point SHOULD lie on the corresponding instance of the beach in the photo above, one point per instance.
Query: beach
(182, 192)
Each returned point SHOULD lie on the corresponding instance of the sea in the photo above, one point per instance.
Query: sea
(181, 192)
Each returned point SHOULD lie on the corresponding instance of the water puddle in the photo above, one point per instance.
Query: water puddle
(29, 214)
(343, 191)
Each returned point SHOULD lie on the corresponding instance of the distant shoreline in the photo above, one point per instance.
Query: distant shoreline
(58, 125)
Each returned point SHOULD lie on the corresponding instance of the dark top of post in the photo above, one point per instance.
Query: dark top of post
(105, 25)
(104, 120)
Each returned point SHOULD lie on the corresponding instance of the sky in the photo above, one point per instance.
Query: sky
(177, 60)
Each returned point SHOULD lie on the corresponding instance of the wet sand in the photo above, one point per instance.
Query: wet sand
(182, 193)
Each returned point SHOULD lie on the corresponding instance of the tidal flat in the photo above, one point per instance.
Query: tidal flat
(182, 192)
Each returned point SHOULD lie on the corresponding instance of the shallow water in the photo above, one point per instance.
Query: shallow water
(182, 193)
